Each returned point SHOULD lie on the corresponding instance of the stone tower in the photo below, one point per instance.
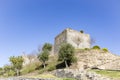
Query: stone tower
(75, 38)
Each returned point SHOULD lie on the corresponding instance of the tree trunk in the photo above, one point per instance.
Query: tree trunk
(66, 64)
(44, 64)
(17, 71)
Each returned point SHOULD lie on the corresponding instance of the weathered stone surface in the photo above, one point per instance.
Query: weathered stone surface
(76, 39)
(79, 74)
(97, 59)
(18, 78)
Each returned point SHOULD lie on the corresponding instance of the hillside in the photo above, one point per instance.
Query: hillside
(86, 59)
(97, 59)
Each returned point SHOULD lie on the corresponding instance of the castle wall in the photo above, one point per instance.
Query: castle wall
(61, 38)
(76, 39)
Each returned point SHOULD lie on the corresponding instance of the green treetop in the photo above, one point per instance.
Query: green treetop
(17, 63)
(66, 53)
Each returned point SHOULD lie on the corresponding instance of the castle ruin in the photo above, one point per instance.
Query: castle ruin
(77, 39)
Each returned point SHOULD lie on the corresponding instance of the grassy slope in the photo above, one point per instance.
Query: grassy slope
(108, 73)
(53, 62)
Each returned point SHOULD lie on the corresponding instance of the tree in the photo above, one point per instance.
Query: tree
(66, 54)
(17, 63)
(7, 68)
(43, 56)
(1, 71)
(47, 46)
(81, 31)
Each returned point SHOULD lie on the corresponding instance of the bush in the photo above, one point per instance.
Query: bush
(11, 73)
(30, 68)
(42, 71)
(86, 49)
(69, 79)
(81, 31)
(105, 49)
(96, 47)
(51, 68)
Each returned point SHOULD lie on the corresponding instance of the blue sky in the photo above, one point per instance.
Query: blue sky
(27, 24)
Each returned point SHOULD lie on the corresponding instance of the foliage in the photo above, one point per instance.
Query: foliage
(96, 47)
(30, 67)
(17, 63)
(81, 31)
(7, 68)
(1, 71)
(11, 73)
(8, 71)
(68, 79)
(51, 68)
(87, 49)
(43, 56)
(1, 68)
(109, 73)
(66, 53)
(74, 60)
(105, 49)
(47, 46)
(42, 70)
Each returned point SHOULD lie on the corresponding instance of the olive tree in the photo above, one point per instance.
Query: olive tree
(47, 46)
(17, 63)
(66, 54)
(43, 56)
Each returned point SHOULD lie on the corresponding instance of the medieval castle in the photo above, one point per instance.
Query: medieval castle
(75, 38)
(91, 58)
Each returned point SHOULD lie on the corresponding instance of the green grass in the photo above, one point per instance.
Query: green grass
(42, 76)
(108, 73)
(48, 76)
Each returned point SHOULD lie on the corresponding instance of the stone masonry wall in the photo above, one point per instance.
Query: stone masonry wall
(76, 39)
(61, 38)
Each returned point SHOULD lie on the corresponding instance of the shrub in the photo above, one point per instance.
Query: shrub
(11, 73)
(86, 49)
(42, 71)
(69, 79)
(96, 47)
(105, 49)
(30, 68)
(81, 31)
(51, 68)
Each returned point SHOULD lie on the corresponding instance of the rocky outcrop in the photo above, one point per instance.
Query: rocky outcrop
(97, 59)
(29, 58)
(79, 74)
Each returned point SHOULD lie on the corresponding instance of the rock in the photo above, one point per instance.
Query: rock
(79, 75)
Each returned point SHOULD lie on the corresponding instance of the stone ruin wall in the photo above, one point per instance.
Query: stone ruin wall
(61, 38)
(75, 38)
